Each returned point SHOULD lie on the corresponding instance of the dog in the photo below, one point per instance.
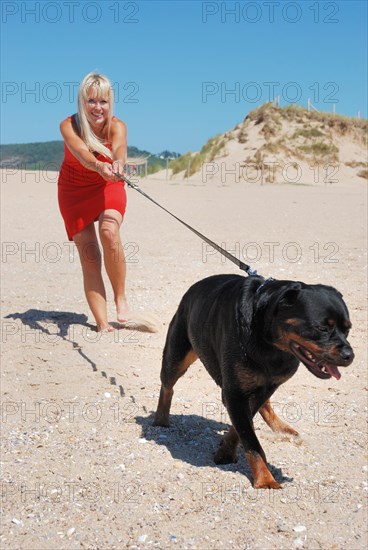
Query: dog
(251, 335)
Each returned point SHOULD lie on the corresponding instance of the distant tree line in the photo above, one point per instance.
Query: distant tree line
(50, 154)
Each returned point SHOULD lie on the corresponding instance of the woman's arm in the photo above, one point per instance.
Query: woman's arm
(81, 152)
(118, 145)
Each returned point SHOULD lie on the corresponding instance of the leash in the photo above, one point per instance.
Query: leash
(241, 265)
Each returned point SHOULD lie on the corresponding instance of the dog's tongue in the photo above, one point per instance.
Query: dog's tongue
(334, 371)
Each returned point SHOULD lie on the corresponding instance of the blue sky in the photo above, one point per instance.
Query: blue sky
(183, 71)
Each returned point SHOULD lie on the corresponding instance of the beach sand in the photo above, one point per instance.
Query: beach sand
(82, 466)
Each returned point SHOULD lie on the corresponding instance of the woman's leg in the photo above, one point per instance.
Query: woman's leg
(114, 258)
(90, 257)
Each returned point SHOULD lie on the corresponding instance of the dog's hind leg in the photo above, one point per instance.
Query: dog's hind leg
(273, 421)
(177, 357)
(226, 453)
(168, 382)
(167, 391)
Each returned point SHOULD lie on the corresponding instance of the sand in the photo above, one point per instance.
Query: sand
(82, 466)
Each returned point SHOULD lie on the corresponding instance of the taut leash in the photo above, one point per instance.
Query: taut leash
(239, 263)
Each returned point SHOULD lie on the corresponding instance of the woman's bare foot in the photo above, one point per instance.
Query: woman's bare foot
(122, 310)
(105, 328)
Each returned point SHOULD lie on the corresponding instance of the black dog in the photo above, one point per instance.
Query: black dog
(251, 334)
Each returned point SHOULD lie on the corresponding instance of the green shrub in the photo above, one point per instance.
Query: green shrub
(208, 153)
(180, 164)
(307, 133)
(356, 164)
(195, 164)
(243, 136)
(319, 149)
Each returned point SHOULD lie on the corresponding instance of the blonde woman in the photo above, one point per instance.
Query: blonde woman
(95, 144)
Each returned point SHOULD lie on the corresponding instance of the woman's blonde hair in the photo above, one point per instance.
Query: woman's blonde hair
(100, 86)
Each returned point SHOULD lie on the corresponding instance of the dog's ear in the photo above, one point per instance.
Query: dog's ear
(276, 299)
(283, 293)
(290, 295)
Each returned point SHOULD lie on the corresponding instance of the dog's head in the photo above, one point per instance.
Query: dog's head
(311, 322)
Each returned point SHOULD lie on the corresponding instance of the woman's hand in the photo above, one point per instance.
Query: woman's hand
(105, 170)
(117, 168)
(108, 171)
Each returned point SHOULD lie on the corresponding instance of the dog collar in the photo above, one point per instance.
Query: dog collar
(264, 284)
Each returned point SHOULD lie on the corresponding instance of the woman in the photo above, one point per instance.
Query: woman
(88, 191)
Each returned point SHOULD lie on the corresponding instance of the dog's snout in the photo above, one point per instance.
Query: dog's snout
(347, 354)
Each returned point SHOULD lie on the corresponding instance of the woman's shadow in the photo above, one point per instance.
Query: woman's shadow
(49, 326)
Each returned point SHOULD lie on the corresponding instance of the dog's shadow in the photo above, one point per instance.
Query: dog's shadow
(194, 440)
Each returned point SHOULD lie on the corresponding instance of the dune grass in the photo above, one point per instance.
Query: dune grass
(363, 174)
(193, 162)
(315, 129)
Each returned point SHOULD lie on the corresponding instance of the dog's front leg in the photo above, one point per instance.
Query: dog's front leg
(273, 421)
(239, 409)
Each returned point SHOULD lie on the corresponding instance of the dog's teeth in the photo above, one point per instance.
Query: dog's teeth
(310, 356)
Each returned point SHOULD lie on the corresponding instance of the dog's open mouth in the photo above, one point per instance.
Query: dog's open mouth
(318, 367)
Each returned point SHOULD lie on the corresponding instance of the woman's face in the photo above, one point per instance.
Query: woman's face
(97, 110)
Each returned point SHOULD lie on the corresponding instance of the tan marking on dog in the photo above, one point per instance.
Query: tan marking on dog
(332, 353)
(273, 421)
(190, 357)
(262, 477)
(285, 339)
(293, 322)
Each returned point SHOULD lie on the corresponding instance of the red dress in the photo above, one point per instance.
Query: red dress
(83, 194)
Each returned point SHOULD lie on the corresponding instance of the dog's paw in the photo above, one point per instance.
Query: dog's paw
(223, 457)
(161, 421)
(269, 483)
(289, 430)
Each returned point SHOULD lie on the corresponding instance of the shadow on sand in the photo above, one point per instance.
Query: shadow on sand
(49, 326)
(194, 439)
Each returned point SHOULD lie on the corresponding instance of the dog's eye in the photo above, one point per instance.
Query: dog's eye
(323, 329)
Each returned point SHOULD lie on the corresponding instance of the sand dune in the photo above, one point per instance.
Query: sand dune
(282, 145)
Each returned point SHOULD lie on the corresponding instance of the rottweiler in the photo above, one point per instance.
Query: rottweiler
(251, 334)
